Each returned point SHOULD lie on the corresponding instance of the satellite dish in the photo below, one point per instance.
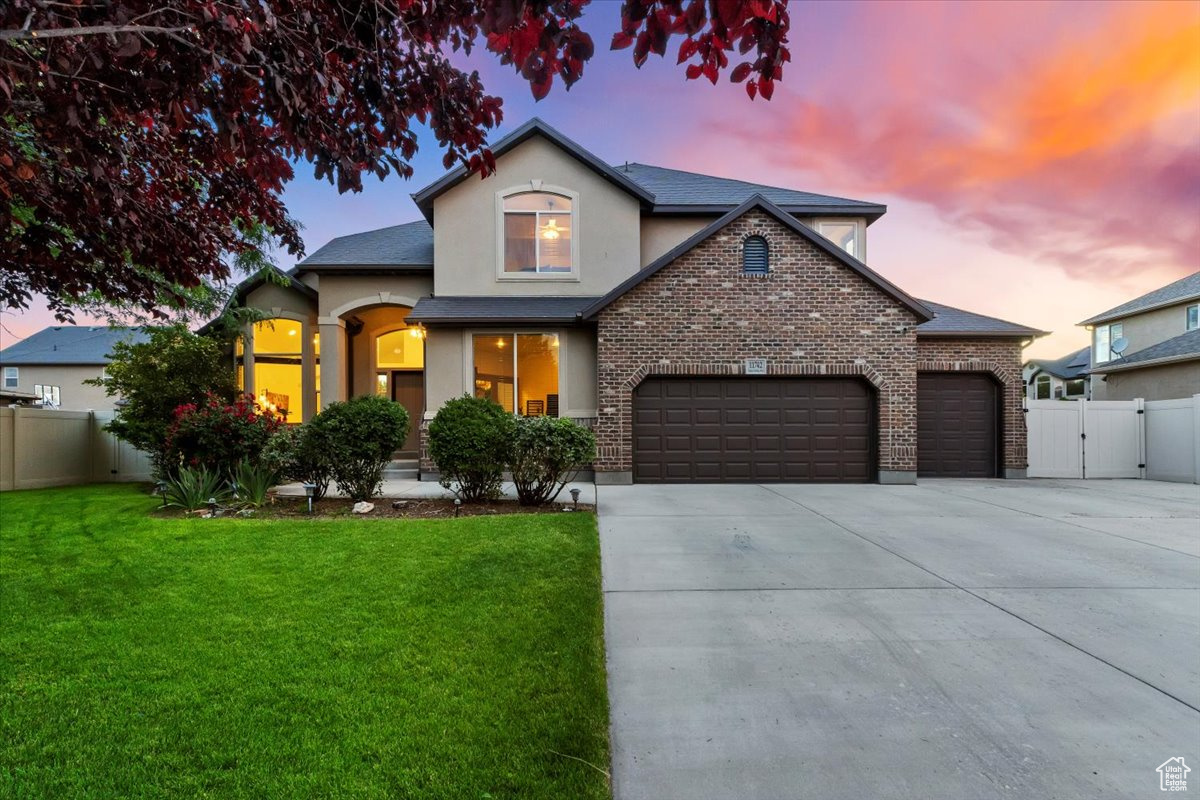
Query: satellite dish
(1120, 345)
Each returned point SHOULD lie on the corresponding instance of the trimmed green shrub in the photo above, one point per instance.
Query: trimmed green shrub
(301, 453)
(469, 441)
(545, 455)
(191, 489)
(359, 437)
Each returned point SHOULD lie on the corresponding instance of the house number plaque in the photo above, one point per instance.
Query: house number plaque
(756, 366)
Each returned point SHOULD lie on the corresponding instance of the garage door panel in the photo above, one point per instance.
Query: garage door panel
(957, 425)
(753, 429)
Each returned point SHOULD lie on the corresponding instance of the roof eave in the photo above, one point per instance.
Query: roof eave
(1125, 366)
(363, 269)
(974, 334)
(493, 320)
(871, 212)
(1108, 316)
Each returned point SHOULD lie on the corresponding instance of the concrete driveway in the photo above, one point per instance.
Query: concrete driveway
(957, 639)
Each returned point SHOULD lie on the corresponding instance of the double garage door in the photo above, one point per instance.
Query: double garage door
(753, 429)
(710, 430)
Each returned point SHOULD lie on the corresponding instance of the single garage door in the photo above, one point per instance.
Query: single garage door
(753, 429)
(957, 425)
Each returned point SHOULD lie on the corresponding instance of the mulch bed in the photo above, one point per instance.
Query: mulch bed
(386, 508)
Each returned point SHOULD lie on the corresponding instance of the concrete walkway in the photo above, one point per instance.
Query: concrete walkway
(957, 639)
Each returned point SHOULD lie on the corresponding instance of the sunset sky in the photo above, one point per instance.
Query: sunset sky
(1040, 161)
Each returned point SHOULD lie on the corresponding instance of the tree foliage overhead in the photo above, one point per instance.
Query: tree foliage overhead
(139, 140)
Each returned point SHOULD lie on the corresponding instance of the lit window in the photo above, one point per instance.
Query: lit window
(278, 382)
(518, 372)
(1103, 337)
(846, 234)
(538, 227)
(1043, 387)
(755, 256)
(402, 349)
(11, 377)
(1193, 317)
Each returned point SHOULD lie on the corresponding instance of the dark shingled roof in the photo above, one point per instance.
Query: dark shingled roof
(1184, 347)
(1180, 291)
(407, 245)
(951, 321)
(1074, 365)
(444, 310)
(69, 344)
(677, 190)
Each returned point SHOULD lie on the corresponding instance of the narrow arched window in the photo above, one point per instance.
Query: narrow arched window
(755, 256)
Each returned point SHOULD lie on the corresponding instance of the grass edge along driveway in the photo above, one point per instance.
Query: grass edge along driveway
(144, 657)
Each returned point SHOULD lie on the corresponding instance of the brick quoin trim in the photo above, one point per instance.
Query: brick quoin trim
(810, 315)
(1001, 358)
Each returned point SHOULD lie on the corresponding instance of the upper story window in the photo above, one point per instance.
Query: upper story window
(1193, 317)
(1103, 338)
(538, 231)
(11, 377)
(847, 234)
(756, 256)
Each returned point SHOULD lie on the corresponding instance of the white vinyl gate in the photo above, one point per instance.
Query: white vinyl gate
(1086, 438)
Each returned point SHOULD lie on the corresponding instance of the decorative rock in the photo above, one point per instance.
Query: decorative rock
(363, 507)
(399, 503)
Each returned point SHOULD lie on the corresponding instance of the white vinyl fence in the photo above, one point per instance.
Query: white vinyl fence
(1159, 439)
(44, 447)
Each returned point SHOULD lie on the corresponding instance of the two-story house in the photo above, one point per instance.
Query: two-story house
(708, 329)
(1158, 339)
(50, 368)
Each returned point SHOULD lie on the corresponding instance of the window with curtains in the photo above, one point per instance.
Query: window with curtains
(538, 229)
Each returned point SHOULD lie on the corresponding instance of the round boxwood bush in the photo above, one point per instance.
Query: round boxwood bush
(545, 455)
(469, 441)
(360, 435)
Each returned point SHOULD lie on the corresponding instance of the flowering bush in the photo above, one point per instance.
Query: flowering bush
(219, 435)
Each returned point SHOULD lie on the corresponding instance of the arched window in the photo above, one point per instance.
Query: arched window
(1043, 387)
(278, 381)
(537, 234)
(756, 256)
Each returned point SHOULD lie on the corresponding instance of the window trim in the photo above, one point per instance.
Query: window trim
(860, 233)
(1187, 315)
(564, 408)
(1108, 345)
(539, 277)
(12, 374)
(1037, 385)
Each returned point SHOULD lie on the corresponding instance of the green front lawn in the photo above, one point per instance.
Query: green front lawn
(144, 657)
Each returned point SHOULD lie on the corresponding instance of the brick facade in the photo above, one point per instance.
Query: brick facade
(1000, 358)
(810, 315)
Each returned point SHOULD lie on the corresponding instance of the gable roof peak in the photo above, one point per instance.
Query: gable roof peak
(758, 201)
(533, 127)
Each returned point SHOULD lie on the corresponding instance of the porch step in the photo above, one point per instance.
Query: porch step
(402, 469)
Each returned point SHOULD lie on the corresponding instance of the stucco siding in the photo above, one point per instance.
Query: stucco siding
(1165, 382)
(1152, 327)
(73, 394)
(466, 220)
(342, 294)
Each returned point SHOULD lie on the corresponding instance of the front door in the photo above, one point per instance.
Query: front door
(408, 389)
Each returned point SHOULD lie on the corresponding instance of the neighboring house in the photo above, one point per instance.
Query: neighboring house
(50, 366)
(1161, 358)
(708, 329)
(1059, 378)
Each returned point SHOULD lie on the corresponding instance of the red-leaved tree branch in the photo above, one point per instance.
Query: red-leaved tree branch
(141, 143)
